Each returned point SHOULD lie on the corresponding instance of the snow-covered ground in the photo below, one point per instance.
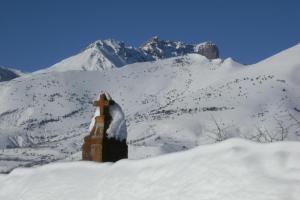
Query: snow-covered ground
(232, 170)
(170, 105)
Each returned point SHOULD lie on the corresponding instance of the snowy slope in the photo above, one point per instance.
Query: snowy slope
(170, 105)
(231, 170)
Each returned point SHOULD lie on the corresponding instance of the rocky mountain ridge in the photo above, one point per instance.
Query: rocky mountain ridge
(109, 53)
(159, 49)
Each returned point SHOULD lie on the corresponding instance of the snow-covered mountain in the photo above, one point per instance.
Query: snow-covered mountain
(108, 54)
(7, 74)
(101, 55)
(231, 170)
(170, 105)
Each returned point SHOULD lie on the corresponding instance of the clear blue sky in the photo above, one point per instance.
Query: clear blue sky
(36, 34)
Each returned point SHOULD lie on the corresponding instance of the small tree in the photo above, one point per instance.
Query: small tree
(263, 135)
(218, 134)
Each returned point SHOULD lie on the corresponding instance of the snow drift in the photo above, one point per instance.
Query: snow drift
(232, 170)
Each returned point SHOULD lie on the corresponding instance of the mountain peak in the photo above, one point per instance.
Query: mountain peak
(153, 39)
(115, 44)
(111, 53)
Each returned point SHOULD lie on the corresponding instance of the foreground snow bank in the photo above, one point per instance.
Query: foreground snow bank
(234, 169)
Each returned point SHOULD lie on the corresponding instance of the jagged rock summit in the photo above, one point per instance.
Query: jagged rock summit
(108, 54)
(160, 49)
(208, 49)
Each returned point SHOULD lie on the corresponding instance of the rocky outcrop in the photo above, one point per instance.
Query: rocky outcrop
(208, 49)
(159, 49)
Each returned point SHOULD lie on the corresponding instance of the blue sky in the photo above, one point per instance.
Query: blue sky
(35, 34)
